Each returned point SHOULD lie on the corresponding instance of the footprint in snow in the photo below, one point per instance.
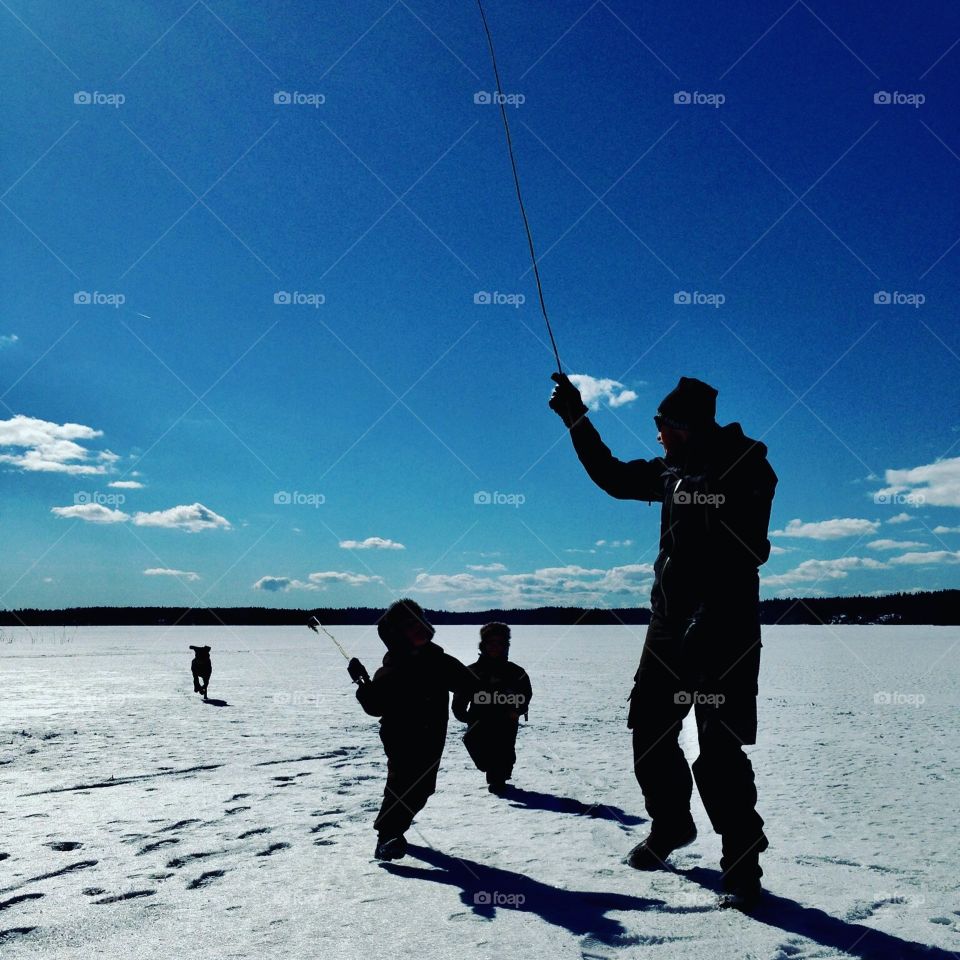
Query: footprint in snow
(272, 849)
(204, 879)
(63, 845)
(130, 895)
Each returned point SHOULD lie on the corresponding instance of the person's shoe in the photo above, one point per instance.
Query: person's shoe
(740, 864)
(742, 895)
(391, 848)
(498, 787)
(652, 852)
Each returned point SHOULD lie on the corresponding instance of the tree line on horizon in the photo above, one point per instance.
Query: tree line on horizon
(936, 607)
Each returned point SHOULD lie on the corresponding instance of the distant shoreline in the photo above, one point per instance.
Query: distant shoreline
(935, 608)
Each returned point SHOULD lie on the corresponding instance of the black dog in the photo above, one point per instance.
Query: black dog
(201, 668)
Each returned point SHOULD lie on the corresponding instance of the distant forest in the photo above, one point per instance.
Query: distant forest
(934, 607)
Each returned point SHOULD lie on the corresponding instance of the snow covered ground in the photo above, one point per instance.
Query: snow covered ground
(138, 821)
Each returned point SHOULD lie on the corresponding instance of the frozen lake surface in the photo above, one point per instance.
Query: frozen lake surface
(138, 822)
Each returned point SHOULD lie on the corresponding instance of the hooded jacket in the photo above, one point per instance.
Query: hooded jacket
(502, 688)
(410, 692)
(714, 517)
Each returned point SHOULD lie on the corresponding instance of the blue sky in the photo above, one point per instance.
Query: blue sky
(330, 450)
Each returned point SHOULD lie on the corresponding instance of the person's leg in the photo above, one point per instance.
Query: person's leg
(502, 755)
(657, 708)
(411, 780)
(726, 783)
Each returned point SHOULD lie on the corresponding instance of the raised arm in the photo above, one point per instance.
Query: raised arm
(625, 480)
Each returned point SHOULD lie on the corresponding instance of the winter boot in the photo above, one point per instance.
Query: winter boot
(652, 852)
(390, 848)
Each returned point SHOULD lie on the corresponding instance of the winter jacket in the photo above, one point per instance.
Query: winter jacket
(501, 689)
(714, 516)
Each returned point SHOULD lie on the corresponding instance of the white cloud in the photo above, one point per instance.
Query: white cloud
(894, 544)
(165, 572)
(126, 485)
(8, 340)
(946, 529)
(372, 543)
(936, 484)
(614, 543)
(811, 571)
(192, 518)
(40, 446)
(827, 529)
(928, 557)
(486, 567)
(776, 551)
(570, 585)
(596, 390)
(326, 577)
(91, 512)
(282, 585)
(315, 581)
(901, 518)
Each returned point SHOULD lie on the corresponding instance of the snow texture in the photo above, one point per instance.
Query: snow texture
(140, 822)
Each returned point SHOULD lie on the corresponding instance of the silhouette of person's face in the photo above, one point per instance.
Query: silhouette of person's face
(494, 646)
(416, 633)
(672, 440)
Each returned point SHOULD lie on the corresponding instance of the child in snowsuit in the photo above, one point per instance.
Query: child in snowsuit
(503, 693)
(410, 694)
(201, 669)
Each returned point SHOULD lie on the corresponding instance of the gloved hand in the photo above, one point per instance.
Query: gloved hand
(358, 672)
(565, 400)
